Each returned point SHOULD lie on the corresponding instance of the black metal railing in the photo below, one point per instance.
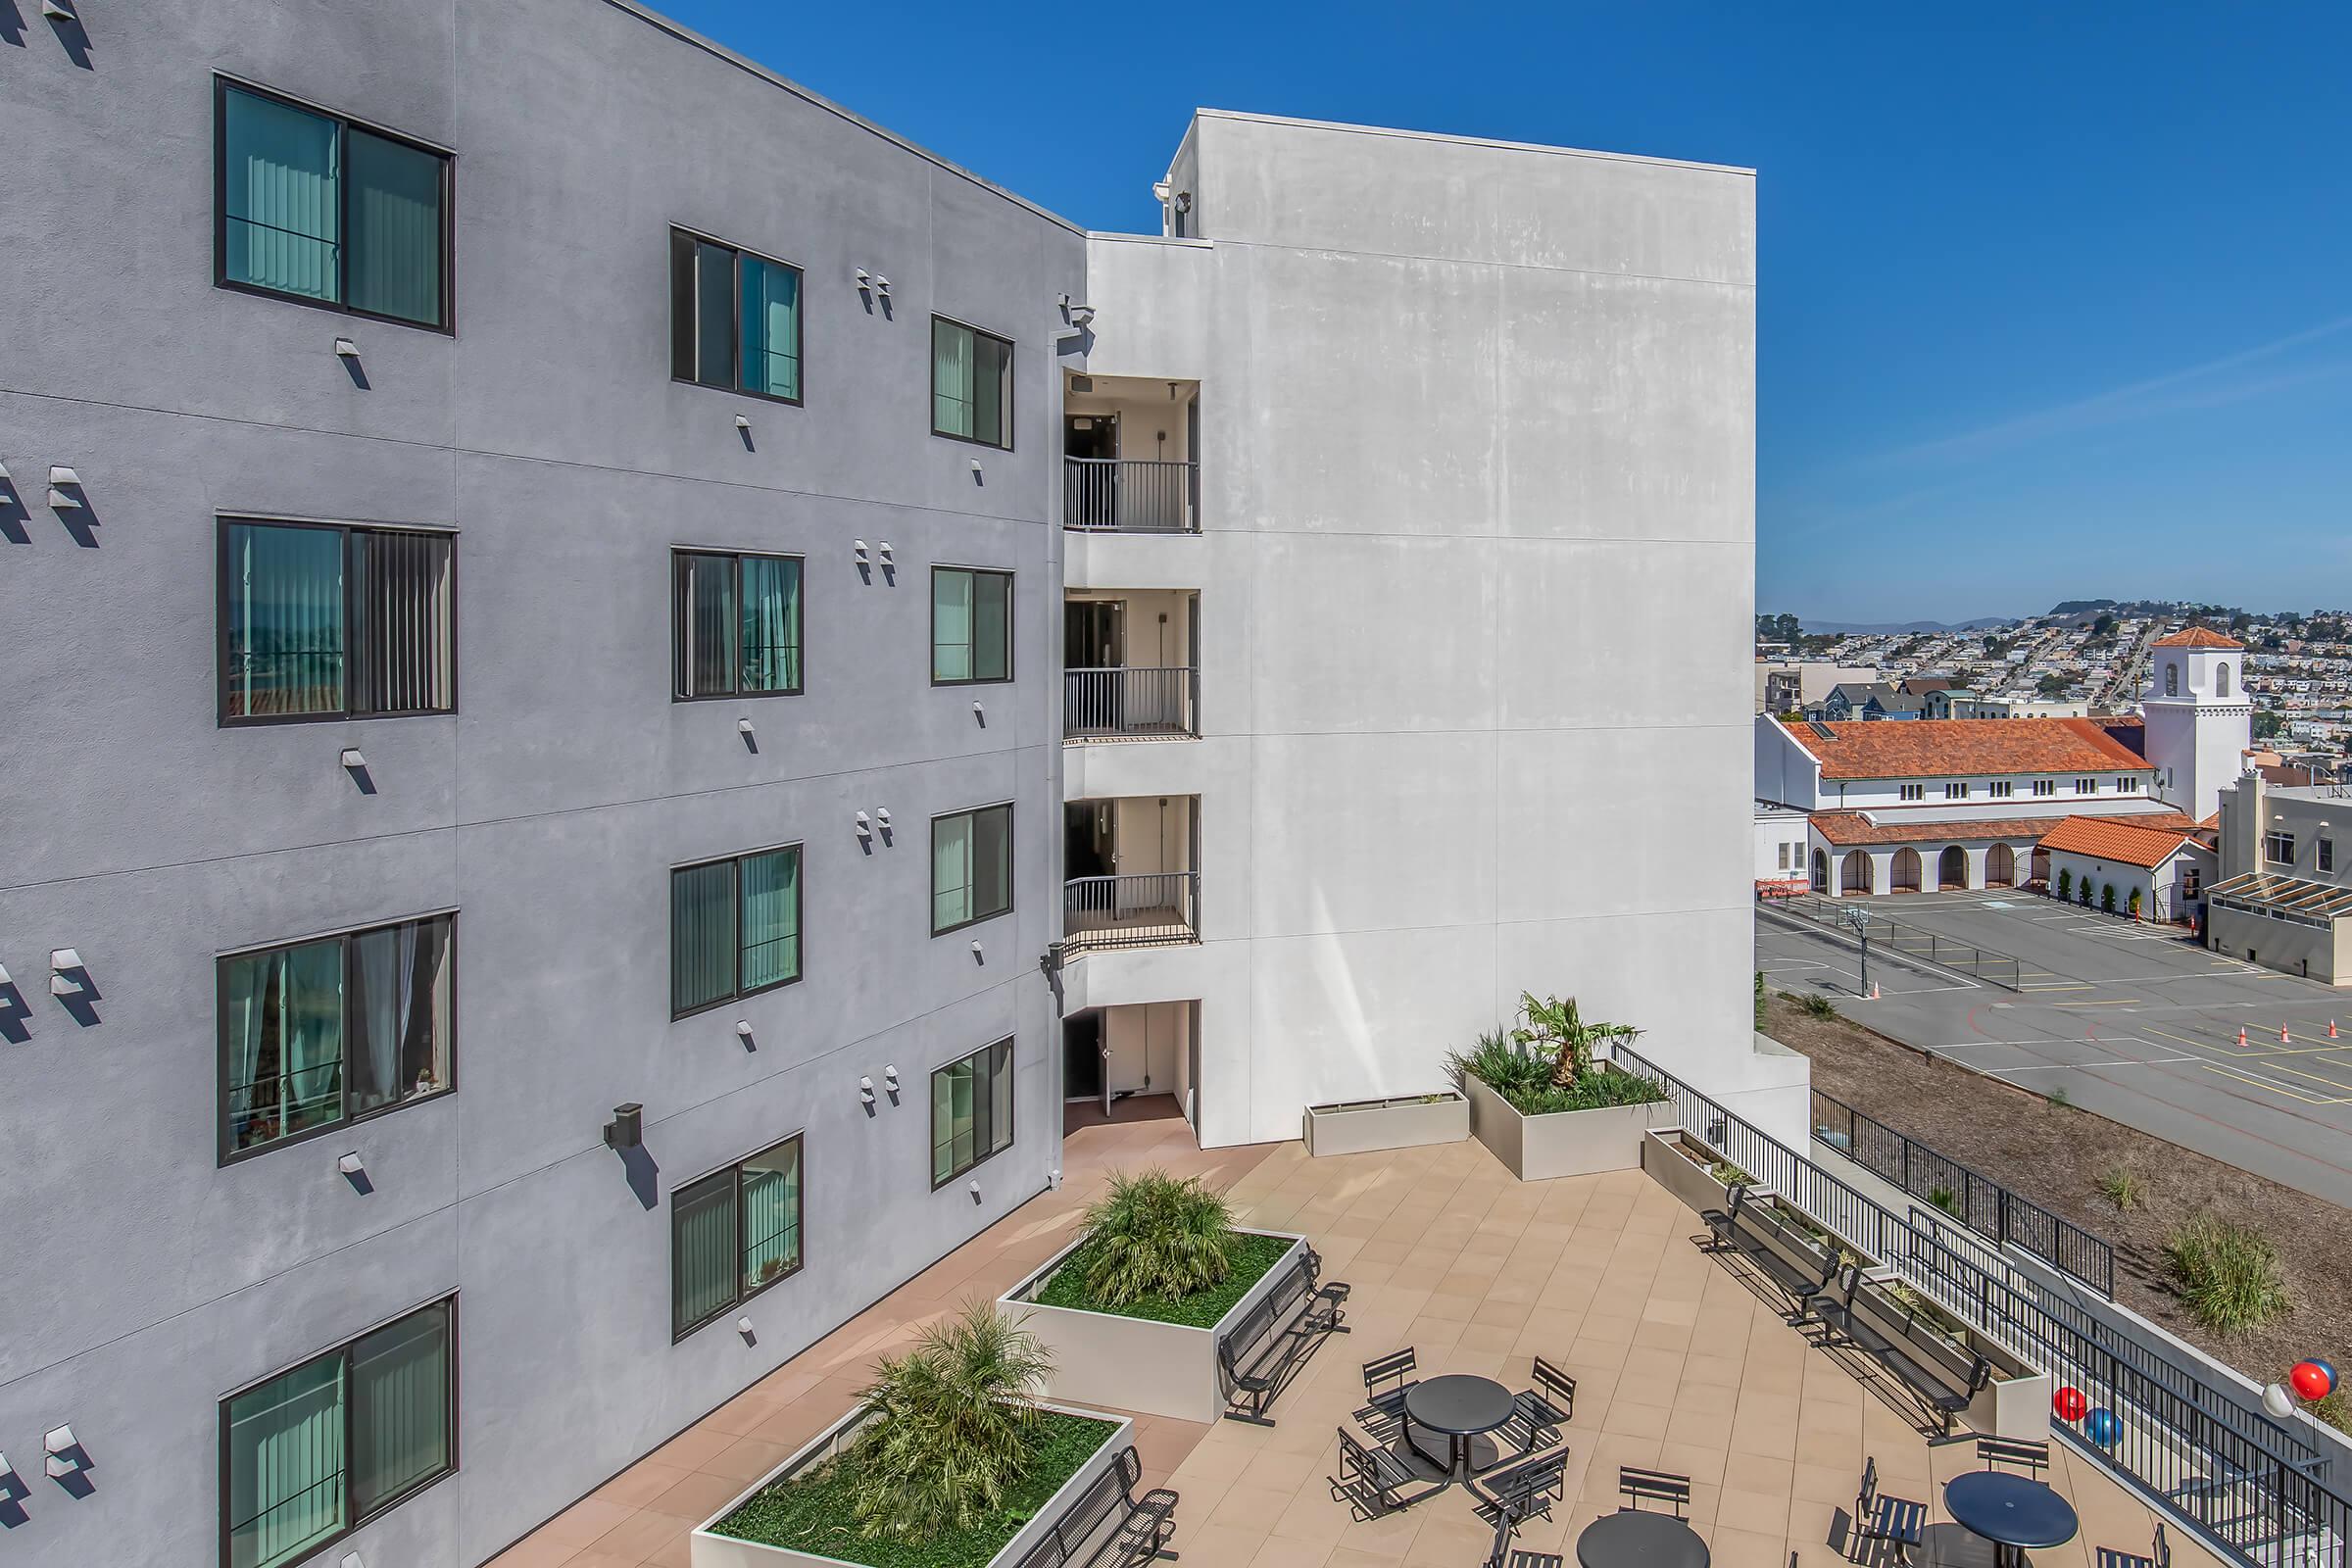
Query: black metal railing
(1143, 910)
(1130, 495)
(1887, 934)
(2250, 1484)
(1975, 1200)
(1133, 701)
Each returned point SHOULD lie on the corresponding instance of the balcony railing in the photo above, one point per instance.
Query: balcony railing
(1142, 703)
(1149, 909)
(1130, 495)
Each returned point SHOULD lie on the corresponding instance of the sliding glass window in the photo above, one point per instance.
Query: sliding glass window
(971, 625)
(734, 928)
(732, 1235)
(734, 318)
(313, 1454)
(971, 868)
(972, 1110)
(971, 384)
(735, 623)
(317, 1033)
(319, 620)
(310, 205)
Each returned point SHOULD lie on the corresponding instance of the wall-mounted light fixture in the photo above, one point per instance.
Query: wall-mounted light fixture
(977, 709)
(975, 946)
(881, 284)
(742, 726)
(346, 349)
(858, 548)
(743, 421)
(743, 1030)
(865, 279)
(865, 826)
(743, 1326)
(1081, 315)
(882, 815)
(626, 1129)
(67, 974)
(4, 979)
(890, 1079)
(58, 11)
(975, 1192)
(63, 475)
(63, 1452)
(352, 1559)
(63, 483)
(865, 1090)
(975, 464)
(352, 1164)
(352, 759)
(884, 547)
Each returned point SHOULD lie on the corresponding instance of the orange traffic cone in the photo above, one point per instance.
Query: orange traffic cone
(2282, 1034)
(2241, 1036)
(2331, 1028)
(1873, 992)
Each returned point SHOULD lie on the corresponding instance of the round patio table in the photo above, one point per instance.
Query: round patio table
(2010, 1511)
(1632, 1540)
(1461, 1406)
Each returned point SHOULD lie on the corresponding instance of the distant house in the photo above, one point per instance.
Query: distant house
(1851, 702)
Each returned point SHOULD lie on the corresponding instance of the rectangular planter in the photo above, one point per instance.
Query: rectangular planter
(1361, 1126)
(1132, 1363)
(1684, 1169)
(1566, 1143)
(710, 1549)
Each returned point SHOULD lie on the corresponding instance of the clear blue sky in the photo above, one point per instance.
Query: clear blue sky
(2051, 305)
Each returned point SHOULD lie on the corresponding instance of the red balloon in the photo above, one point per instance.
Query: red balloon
(2310, 1380)
(2069, 1403)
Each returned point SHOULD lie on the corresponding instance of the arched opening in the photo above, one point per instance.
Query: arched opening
(1821, 870)
(2221, 680)
(2000, 866)
(2041, 864)
(1951, 868)
(1854, 873)
(1903, 877)
(2171, 678)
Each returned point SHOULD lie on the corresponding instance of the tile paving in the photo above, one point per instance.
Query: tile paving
(1678, 1365)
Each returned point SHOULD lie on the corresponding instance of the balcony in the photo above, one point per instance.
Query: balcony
(1130, 495)
(1143, 910)
(1131, 704)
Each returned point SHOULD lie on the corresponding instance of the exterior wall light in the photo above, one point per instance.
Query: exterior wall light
(742, 726)
(64, 1452)
(352, 1559)
(975, 1192)
(626, 1129)
(881, 284)
(743, 1029)
(882, 815)
(975, 464)
(865, 1090)
(63, 475)
(890, 1079)
(743, 421)
(885, 549)
(346, 349)
(865, 826)
(68, 976)
(4, 979)
(58, 11)
(865, 279)
(743, 1326)
(975, 946)
(352, 759)
(352, 1166)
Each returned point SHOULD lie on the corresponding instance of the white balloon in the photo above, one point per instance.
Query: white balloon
(2278, 1402)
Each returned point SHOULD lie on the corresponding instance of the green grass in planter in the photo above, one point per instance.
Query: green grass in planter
(1200, 1310)
(812, 1512)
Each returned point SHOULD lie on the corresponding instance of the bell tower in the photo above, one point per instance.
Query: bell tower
(2199, 719)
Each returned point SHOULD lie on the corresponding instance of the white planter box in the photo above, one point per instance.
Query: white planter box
(1361, 1126)
(1664, 1158)
(710, 1549)
(1132, 1363)
(1566, 1143)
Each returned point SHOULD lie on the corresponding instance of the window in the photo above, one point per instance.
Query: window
(2000, 789)
(313, 1454)
(1955, 791)
(2127, 785)
(2045, 786)
(2279, 847)
(2171, 678)
(2086, 786)
(734, 928)
(1915, 791)
(971, 625)
(971, 384)
(971, 868)
(2326, 855)
(733, 1233)
(317, 1033)
(311, 207)
(735, 623)
(734, 318)
(2189, 882)
(2221, 680)
(317, 620)
(972, 1111)
(1783, 856)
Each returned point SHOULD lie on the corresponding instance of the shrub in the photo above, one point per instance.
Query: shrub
(951, 1424)
(1548, 1025)
(2227, 1275)
(2122, 1186)
(2107, 898)
(2335, 1409)
(1528, 1085)
(1759, 1000)
(1154, 1235)
(1818, 1005)
(2059, 1098)
(1945, 1198)
(2084, 894)
(2066, 884)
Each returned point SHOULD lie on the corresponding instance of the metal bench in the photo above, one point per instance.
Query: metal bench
(1109, 1526)
(1372, 1482)
(1538, 1413)
(1725, 1220)
(1901, 1356)
(1836, 1314)
(1259, 1354)
(2032, 1457)
(1940, 1399)
(1387, 1379)
(1898, 1521)
(1759, 1236)
(1638, 1486)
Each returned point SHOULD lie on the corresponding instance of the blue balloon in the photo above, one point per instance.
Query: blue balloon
(2327, 1368)
(2101, 1427)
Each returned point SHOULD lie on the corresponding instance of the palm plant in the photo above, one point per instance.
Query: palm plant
(950, 1429)
(1154, 1235)
(1548, 1025)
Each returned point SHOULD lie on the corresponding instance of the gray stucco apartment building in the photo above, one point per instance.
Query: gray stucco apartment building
(617, 683)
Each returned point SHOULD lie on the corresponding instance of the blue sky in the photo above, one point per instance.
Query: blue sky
(2053, 303)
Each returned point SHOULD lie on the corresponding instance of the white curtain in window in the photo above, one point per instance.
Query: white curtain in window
(771, 917)
(952, 393)
(951, 872)
(771, 624)
(772, 1215)
(952, 626)
(704, 1245)
(285, 1465)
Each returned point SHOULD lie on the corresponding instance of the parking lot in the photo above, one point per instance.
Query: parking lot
(2125, 1019)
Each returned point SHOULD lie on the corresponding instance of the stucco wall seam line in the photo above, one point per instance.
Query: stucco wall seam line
(1749, 286)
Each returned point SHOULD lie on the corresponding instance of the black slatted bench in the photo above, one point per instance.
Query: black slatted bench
(1261, 1352)
(1109, 1526)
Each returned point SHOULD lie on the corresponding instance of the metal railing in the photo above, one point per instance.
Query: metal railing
(1970, 1197)
(1907, 941)
(1132, 701)
(2250, 1484)
(1130, 495)
(1148, 908)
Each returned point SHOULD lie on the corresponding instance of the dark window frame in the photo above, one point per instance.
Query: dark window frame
(1011, 898)
(356, 1522)
(800, 320)
(226, 525)
(225, 1156)
(1011, 1101)
(678, 1332)
(1010, 389)
(799, 922)
(799, 688)
(345, 125)
(1012, 590)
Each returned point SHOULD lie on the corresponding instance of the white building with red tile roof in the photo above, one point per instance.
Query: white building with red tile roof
(2200, 721)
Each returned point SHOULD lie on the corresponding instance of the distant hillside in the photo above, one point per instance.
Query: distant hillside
(1855, 629)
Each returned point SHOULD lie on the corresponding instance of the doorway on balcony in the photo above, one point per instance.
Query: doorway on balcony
(1130, 671)
(1133, 1061)
(1131, 868)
